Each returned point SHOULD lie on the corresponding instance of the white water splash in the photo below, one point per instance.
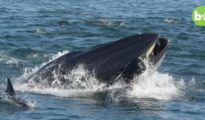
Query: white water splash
(157, 86)
(83, 83)
(151, 84)
(81, 78)
(30, 71)
(80, 82)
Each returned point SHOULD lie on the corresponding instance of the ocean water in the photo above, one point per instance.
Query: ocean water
(34, 32)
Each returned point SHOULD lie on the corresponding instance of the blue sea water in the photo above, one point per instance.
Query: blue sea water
(32, 32)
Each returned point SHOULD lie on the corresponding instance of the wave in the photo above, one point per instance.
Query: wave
(106, 22)
(25, 53)
(170, 21)
(9, 60)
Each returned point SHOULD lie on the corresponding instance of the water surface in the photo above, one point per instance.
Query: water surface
(32, 32)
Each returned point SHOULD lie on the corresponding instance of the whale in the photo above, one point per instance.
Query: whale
(11, 96)
(124, 58)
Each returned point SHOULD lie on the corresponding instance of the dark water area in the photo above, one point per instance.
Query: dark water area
(33, 32)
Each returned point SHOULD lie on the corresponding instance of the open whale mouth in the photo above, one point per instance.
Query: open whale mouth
(157, 50)
(153, 51)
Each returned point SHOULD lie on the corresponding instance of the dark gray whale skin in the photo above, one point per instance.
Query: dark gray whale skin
(108, 60)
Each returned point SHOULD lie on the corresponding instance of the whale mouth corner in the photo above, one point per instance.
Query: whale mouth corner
(158, 50)
(154, 47)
